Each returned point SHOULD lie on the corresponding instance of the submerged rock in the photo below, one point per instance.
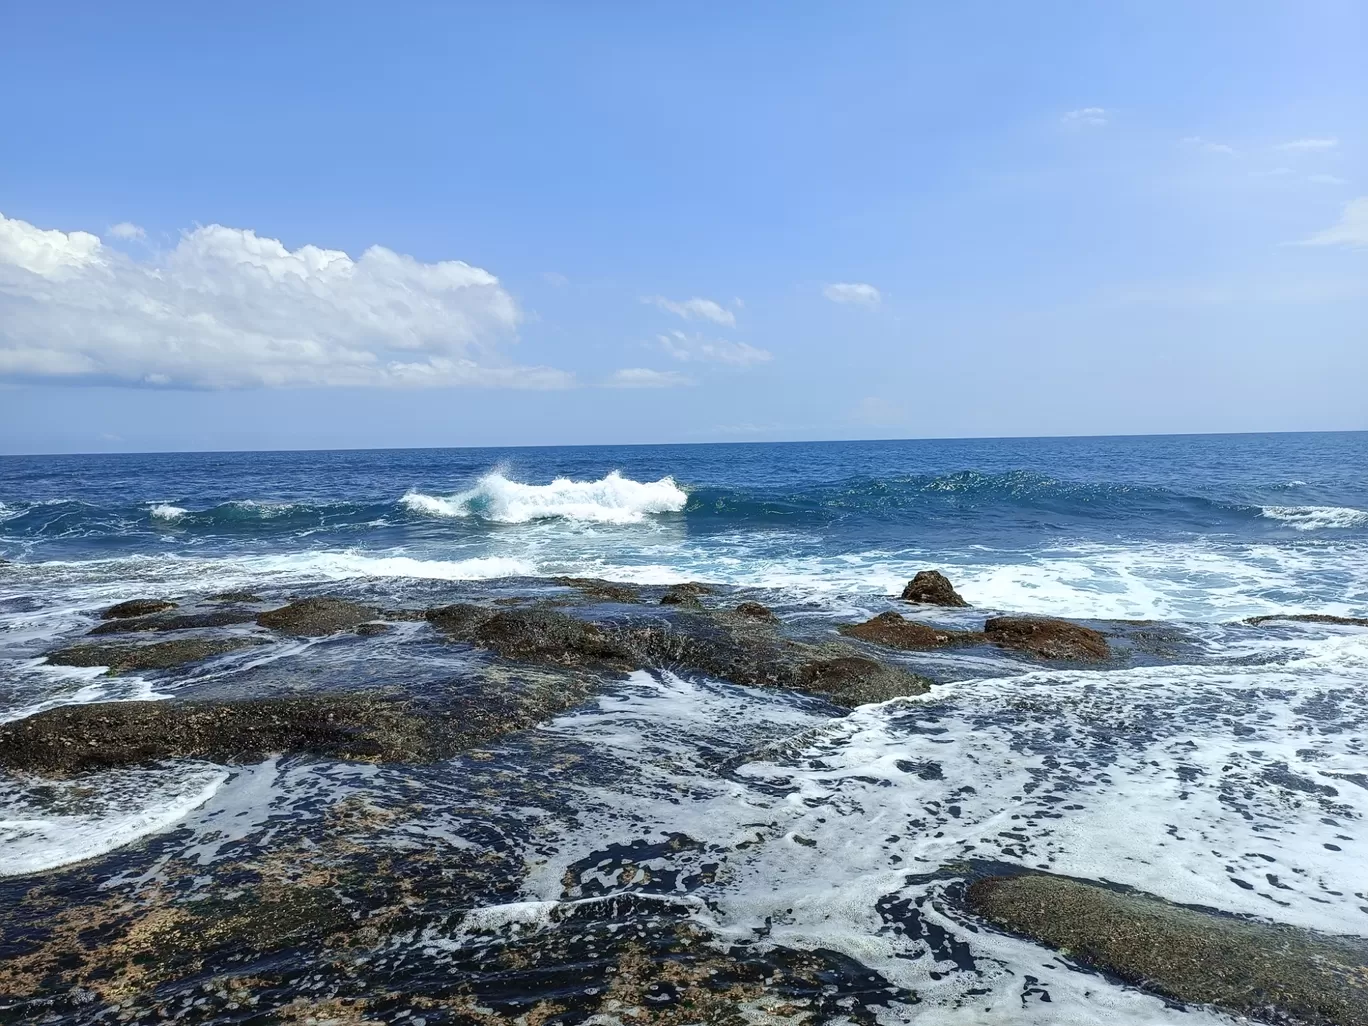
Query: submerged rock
(176, 622)
(162, 655)
(1046, 638)
(852, 680)
(932, 588)
(1342, 621)
(317, 617)
(1269, 972)
(245, 597)
(893, 630)
(685, 594)
(608, 591)
(136, 607)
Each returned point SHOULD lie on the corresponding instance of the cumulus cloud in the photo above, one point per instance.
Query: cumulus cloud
(1309, 144)
(1350, 230)
(1085, 117)
(696, 348)
(642, 377)
(226, 308)
(1207, 146)
(127, 230)
(852, 292)
(689, 309)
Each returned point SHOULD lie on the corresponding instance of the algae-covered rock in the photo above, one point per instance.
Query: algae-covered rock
(1271, 973)
(895, 631)
(317, 617)
(1046, 638)
(165, 622)
(853, 680)
(1341, 621)
(136, 607)
(607, 591)
(932, 588)
(756, 611)
(163, 655)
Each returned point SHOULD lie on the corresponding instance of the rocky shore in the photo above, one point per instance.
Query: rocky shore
(306, 926)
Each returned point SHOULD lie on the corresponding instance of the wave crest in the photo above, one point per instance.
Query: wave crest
(612, 499)
(1312, 518)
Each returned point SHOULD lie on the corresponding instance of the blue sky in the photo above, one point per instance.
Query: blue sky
(633, 223)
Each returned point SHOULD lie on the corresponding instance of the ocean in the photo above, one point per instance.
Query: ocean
(1224, 767)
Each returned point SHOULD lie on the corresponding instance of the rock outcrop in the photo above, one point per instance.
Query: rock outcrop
(895, 631)
(136, 607)
(317, 617)
(1047, 638)
(932, 588)
(162, 655)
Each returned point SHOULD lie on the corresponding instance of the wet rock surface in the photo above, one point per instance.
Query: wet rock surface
(317, 617)
(162, 655)
(893, 630)
(166, 622)
(1271, 973)
(136, 607)
(1047, 638)
(932, 588)
(1340, 621)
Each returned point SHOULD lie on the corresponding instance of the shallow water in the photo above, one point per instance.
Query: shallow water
(1225, 768)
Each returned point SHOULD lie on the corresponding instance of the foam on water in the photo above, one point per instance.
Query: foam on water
(612, 499)
(166, 511)
(55, 823)
(1314, 518)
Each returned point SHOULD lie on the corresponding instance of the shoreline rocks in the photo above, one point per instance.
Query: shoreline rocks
(1340, 621)
(1251, 968)
(136, 607)
(933, 588)
(893, 630)
(1041, 637)
(317, 617)
(162, 655)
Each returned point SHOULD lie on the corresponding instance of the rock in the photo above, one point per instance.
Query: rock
(245, 597)
(756, 611)
(1343, 621)
(162, 655)
(678, 597)
(548, 636)
(370, 630)
(854, 680)
(893, 630)
(1046, 638)
(136, 607)
(176, 622)
(459, 620)
(608, 591)
(1267, 972)
(317, 617)
(73, 739)
(932, 588)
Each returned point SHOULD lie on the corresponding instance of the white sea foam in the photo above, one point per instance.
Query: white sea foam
(68, 822)
(165, 511)
(1315, 518)
(613, 499)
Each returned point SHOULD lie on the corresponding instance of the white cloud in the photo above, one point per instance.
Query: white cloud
(1350, 230)
(1309, 144)
(226, 308)
(126, 230)
(705, 309)
(852, 292)
(696, 348)
(1207, 146)
(1086, 117)
(642, 377)
(1327, 180)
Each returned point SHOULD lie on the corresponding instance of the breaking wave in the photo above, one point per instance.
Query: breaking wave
(612, 499)
(1313, 518)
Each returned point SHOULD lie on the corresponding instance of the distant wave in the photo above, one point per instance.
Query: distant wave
(1313, 518)
(165, 511)
(613, 499)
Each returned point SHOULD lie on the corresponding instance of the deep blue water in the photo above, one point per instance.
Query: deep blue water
(1261, 519)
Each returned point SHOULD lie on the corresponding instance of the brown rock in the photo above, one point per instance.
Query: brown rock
(1343, 621)
(1046, 638)
(161, 656)
(317, 617)
(893, 630)
(932, 588)
(756, 611)
(136, 607)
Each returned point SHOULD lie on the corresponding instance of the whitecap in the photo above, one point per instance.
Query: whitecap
(1313, 518)
(166, 511)
(612, 499)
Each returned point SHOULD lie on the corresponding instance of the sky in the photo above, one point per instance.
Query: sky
(273, 226)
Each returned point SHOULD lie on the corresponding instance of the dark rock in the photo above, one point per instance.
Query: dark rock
(1047, 639)
(1342, 621)
(756, 611)
(404, 615)
(459, 620)
(317, 617)
(136, 607)
(245, 597)
(1268, 972)
(608, 591)
(932, 588)
(680, 597)
(162, 655)
(548, 636)
(854, 680)
(176, 622)
(893, 630)
(370, 630)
